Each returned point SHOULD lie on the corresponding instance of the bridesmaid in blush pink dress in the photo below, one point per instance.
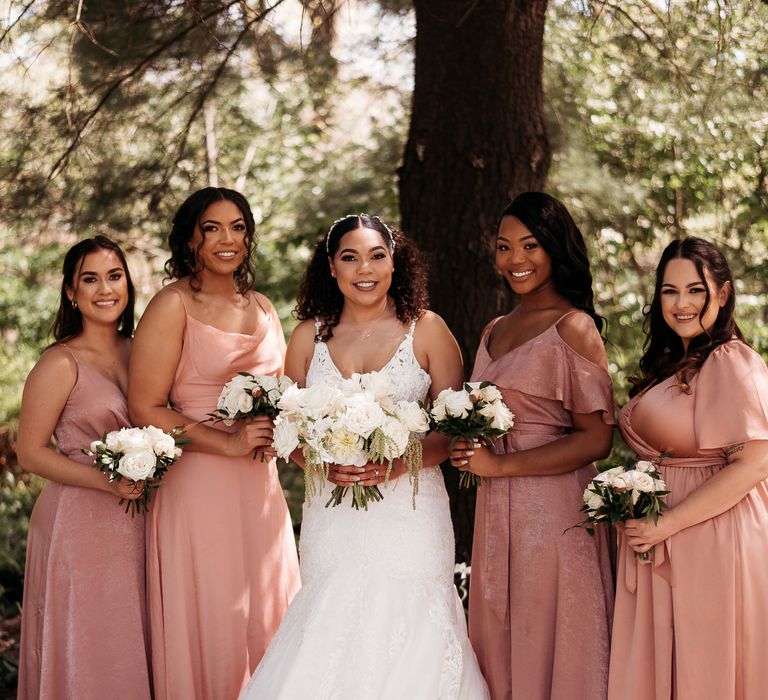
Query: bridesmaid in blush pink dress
(541, 595)
(84, 632)
(691, 622)
(221, 558)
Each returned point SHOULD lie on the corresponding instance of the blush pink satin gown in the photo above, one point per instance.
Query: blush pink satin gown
(221, 557)
(692, 623)
(541, 598)
(83, 625)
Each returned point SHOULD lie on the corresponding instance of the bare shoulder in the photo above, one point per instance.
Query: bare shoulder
(55, 368)
(304, 334)
(166, 306)
(263, 301)
(579, 332)
(430, 326)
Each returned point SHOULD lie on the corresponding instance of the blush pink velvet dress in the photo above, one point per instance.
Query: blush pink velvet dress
(83, 625)
(692, 623)
(221, 558)
(541, 597)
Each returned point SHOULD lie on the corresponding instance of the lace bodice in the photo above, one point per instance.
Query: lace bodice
(410, 381)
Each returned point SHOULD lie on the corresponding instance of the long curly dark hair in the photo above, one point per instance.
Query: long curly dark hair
(319, 295)
(555, 230)
(664, 354)
(69, 320)
(184, 261)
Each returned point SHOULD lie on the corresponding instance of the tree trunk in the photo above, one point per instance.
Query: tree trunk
(477, 138)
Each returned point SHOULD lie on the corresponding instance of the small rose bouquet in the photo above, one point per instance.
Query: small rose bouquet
(475, 412)
(622, 493)
(248, 395)
(351, 423)
(139, 454)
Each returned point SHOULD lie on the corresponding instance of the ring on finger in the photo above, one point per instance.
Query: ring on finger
(376, 472)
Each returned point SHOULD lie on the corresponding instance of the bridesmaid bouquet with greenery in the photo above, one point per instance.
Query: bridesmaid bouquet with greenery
(139, 454)
(249, 395)
(475, 412)
(623, 493)
(351, 423)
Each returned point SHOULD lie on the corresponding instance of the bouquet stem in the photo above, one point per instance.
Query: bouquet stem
(361, 495)
(468, 480)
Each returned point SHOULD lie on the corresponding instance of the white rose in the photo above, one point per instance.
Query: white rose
(501, 417)
(413, 416)
(273, 396)
(362, 415)
(609, 474)
(438, 411)
(96, 445)
(162, 443)
(490, 393)
(314, 402)
(619, 483)
(267, 382)
(244, 402)
(645, 466)
(593, 500)
(127, 440)
(457, 403)
(377, 384)
(641, 481)
(285, 438)
(399, 434)
(137, 464)
(284, 382)
(660, 485)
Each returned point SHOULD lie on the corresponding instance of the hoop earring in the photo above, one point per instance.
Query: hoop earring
(74, 303)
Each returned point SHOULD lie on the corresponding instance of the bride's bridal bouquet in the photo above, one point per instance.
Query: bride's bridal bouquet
(249, 395)
(139, 454)
(475, 412)
(351, 423)
(623, 493)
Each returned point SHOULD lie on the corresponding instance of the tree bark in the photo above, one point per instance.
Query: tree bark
(477, 138)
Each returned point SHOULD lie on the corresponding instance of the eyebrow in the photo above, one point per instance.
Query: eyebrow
(354, 250)
(95, 274)
(690, 284)
(213, 221)
(524, 238)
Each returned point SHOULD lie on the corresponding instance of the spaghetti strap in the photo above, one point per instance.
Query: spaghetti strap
(411, 329)
(567, 313)
(181, 298)
(69, 350)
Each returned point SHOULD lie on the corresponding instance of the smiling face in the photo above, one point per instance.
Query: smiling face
(363, 266)
(521, 259)
(684, 299)
(100, 287)
(220, 240)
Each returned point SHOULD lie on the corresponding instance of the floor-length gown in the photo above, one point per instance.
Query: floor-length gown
(221, 557)
(378, 616)
(541, 597)
(692, 622)
(84, 631)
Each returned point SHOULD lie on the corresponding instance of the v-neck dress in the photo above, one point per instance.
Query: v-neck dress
(691, 623)
(84, 631)
(541, 596)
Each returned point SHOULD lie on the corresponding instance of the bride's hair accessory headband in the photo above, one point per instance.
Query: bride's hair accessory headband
(360, 216)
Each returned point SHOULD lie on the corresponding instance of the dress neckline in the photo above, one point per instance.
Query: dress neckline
(80, 364)
(407, 338)
(219, 330)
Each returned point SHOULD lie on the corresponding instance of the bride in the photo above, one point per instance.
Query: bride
(378, 616)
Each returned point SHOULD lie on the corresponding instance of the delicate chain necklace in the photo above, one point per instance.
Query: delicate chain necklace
(366, 331)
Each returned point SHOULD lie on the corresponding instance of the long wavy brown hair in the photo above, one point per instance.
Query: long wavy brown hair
(184, 261)
(664, 354)
(319, 296)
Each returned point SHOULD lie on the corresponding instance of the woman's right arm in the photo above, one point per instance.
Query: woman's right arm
(155, 356)
(45, 394)
(301, 346)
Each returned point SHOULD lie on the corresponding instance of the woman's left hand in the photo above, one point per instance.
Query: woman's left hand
(371, 474)
(475, 458)
(642, 535)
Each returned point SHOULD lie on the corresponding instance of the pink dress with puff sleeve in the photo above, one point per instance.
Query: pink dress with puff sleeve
(692, 622)
(541, 595)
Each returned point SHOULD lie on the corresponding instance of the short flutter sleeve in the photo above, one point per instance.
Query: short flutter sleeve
(731, 397)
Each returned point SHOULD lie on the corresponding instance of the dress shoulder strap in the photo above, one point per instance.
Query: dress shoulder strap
(181, 299)
(411, 329)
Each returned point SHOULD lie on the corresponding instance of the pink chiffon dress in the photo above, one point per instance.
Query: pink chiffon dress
(541, 595)
(691, 623)
(221, 557)
(83, 625)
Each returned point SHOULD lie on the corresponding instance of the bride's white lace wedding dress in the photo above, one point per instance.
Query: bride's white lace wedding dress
(378, 616)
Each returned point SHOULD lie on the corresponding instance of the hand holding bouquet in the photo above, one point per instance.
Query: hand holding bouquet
(139, 454)
(351, 423)
(475, 412)
(621, 493)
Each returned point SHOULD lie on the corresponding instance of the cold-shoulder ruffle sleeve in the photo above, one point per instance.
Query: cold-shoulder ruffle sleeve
(731, 397)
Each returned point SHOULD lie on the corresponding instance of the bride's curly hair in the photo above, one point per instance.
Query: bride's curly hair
(184, 261)
(664, 354)
(319, 296)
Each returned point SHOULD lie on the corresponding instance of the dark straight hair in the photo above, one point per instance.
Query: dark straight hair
(69, 321)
